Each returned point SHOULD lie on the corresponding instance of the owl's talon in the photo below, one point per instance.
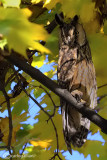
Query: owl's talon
(77, 94)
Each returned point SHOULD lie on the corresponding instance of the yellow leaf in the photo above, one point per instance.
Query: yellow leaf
(11, 3)
(4, 126)
(47, 3)
(35, 1)
(50, 3)
(43, 144)
(87, 16)
(27, 12)
(71, 8)
(41, 48)
(98, 44)
(38, 61)
(19, 32)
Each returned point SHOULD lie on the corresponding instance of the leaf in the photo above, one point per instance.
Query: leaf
(93, 148)
(38, 61)
(11, 3)
(19, 32)
(41, 154)
(98, 48)
(87, 16)
(43, 144)
(105, 27)
(37, 92)
(20, 105)
(46, 100)
(4, 126)
(50, 74)
(3, 43)
(47, 3)
(50, 3)
(52, 42)
(72, 8)
(36, 1)
(103, 112)
(42, 128)
(47, 16)
(25, 131)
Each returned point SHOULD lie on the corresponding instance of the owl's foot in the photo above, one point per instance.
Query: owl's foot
(78, 95)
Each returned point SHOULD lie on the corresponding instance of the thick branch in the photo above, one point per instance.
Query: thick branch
(39, 76)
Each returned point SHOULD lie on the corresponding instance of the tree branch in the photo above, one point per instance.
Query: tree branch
(24, 148)
(10, 121)
(39, 76)
(104, 85)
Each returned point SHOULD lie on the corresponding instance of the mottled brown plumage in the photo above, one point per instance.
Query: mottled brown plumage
(76, 73)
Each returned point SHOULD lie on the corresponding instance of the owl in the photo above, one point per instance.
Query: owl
(76, 73)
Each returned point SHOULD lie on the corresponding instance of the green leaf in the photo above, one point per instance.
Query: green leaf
(25, 131)
(42, 128)
(37, 92)
(93, 148)
(52, 42)
(105, 27)
(20, 105)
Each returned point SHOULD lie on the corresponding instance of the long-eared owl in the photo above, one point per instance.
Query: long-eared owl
(76, 73)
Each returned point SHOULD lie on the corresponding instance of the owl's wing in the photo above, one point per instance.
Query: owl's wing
(79, 80)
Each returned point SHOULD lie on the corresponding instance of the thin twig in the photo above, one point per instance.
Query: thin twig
(5, 101)
(49, 95)
(10, 78)
(4, 147)
(10, 120)
(101, 97)
(24, 148)
(102, 86)
(56, 154)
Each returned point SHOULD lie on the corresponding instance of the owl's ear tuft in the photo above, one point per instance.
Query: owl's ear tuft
(59, 19)
(75, 19)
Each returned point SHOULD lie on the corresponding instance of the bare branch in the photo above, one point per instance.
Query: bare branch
(2, 147)
(102, 86)
(10, 120)
(24, 148)
(101, 97)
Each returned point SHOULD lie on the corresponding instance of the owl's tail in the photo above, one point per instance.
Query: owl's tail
(75, 127)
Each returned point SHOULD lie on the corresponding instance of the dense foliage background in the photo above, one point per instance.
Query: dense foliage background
(23, 24)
